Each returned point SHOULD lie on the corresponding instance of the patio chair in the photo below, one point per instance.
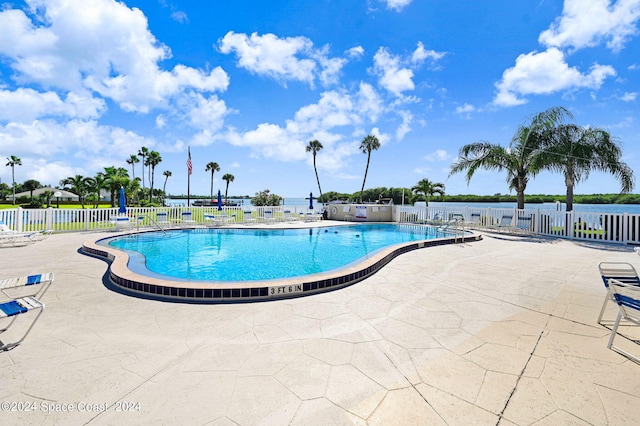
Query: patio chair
(14, 309)
(187, 218)
(247, 216)
(523, 223)
(36, 285)
(162, 218)
(627, 296)
(121, 222)
(474, 220)
(619, 271)
(505, 222)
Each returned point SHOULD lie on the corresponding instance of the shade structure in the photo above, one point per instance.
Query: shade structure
(311, 201)
(122, 203)
(219, 200)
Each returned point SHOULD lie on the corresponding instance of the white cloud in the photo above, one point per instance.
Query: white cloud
(397, 5)
(587, 23)
(405, 126)
(629, 96)
(391, 75)
(395, 73)
(438, 155)
(545, 73)
(283, 59)
(421, 54)
(355, 52)
(25, 105)
(464, 109)
(101, 45)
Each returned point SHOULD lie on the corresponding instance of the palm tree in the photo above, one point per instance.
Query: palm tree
(428, 189)
(133, 159)
(143, 152)
(213, 167)
(13, 162)
(167, 174)
(575, 151)
(314, 147)
(115, 177)
(228, 177)
(78, 185)
(368, 144)
(519, 159)
(153, 159)
(31, 185)
(95, 185)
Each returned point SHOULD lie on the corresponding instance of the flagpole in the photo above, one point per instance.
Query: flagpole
(189, 170)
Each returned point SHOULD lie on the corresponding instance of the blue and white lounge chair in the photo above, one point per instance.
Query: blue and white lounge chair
(524, 223)
(627, 296)
(12, 310)
(187, 218)
(32, 285)
(619, 271)
(505, 222)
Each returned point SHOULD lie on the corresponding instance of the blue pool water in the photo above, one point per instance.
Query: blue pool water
(260, 254)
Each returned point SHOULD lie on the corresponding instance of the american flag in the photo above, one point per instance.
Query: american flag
(189, 165)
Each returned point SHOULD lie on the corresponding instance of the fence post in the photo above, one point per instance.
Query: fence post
(48, 218)
(18, 219)
(625, 227)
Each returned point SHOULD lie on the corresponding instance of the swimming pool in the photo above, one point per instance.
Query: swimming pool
(225, 264)
(223, 254)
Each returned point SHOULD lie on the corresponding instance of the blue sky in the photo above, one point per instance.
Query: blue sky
(247, 84)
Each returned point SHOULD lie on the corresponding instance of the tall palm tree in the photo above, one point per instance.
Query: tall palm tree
(314, 147)
(143, 152)
(213, 167)
(228, 177)
(368, 144)
(519, 160)
(13, 162)
(79, 185)
(133, 159)
(153, 159)
(428, 189)
(167, 174)
(575, 151)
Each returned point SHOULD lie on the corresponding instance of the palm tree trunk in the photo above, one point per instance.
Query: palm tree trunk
(366, 170)
(520, 198)
(316, 170)
(211, 196)
(13, 179)
(226, 192)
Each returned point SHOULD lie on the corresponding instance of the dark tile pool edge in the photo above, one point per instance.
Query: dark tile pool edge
(212, 292)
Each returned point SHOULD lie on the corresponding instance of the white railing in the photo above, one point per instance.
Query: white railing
(621, 228)
(68, 220)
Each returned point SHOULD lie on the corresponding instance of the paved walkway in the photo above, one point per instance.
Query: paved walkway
(500, 331)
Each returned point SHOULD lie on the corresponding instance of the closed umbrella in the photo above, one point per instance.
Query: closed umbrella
(219, 200)
(311, 201)
(122, 204)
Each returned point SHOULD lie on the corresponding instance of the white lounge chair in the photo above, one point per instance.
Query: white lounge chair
(627, 297)
(162, 219)
(247, 216)
(11, 310)
(187, 219)
(619, 271)
(121, 222)
(32, 285)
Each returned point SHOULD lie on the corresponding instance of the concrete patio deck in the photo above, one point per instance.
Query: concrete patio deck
(499, 331)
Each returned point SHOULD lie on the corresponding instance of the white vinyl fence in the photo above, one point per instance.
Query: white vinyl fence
(621, 228)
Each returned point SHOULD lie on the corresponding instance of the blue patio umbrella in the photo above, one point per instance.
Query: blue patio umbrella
(311, 201)
(122, 204)
(219, 200)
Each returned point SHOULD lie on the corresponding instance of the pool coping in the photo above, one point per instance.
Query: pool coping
(196, 291)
